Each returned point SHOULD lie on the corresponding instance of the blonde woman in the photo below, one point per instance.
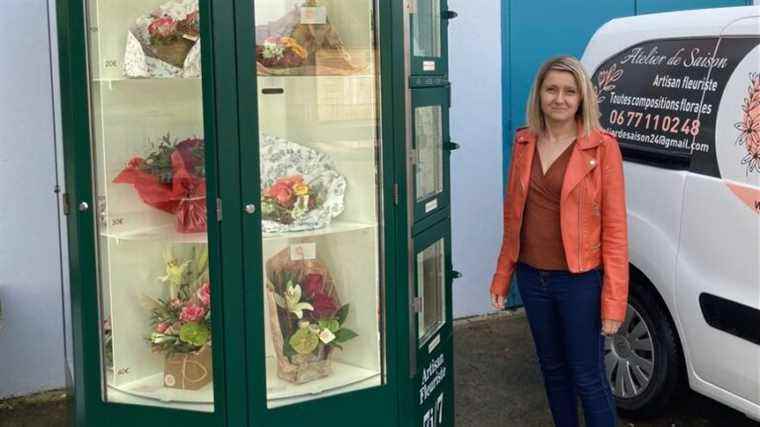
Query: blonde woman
(565, 239)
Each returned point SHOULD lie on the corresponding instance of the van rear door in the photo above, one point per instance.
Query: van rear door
(718, 267)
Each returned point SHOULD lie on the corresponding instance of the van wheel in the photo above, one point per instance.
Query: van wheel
(643, 360)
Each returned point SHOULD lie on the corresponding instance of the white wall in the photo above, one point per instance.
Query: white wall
(476, 168)
(31, 334)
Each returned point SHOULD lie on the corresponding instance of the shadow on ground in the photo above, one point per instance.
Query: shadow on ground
(499, 383)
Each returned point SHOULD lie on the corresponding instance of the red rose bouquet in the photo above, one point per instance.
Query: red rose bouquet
(306, 316)
(172, 179)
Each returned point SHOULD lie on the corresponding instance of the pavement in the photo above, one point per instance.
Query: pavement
(498, 384)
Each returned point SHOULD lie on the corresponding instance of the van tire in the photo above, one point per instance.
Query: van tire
(667, 378)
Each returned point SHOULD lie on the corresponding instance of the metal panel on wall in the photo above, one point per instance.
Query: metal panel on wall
(535, 36)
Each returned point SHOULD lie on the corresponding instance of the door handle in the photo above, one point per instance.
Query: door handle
(451, 146)
(450, 14)
(456, 274)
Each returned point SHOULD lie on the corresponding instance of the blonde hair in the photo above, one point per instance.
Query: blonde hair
(588, 110)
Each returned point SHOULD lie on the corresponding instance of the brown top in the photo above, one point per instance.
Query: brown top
(541, 235)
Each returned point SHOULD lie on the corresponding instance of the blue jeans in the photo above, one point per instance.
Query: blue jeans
(563, 310)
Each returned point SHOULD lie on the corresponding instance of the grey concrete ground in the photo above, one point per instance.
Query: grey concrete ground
(499, 383)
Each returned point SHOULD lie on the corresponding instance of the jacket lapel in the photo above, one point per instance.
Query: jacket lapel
(524, 159)
(582, 161)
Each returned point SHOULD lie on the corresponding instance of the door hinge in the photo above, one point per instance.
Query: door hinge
(66, 204)
(395, 193)
(417, 305)
(218, 210)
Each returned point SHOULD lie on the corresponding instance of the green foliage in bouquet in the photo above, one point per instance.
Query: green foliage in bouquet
(181, 323)
(309, 316)
(159, 162)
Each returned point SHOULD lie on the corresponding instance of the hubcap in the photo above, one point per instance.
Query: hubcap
(629, 356)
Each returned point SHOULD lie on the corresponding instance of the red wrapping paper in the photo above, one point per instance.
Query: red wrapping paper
(185, 196)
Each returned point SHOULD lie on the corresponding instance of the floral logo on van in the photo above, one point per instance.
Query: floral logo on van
(749, 126)
(605, 80)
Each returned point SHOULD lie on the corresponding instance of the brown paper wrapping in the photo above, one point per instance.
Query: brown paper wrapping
(188, 371)
(299, 368)
(173, 53)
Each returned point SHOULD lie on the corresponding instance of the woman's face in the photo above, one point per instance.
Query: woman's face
(560, 97)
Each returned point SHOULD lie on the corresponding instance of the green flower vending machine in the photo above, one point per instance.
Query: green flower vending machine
(257, 197)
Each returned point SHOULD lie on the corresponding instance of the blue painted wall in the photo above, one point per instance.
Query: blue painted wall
(533, 31)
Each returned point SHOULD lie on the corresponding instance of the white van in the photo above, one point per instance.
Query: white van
(682, 93)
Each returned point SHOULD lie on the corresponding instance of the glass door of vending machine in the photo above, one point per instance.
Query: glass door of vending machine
(142, 182)
(317, 183)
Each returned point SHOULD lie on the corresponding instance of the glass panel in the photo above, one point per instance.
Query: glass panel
(428, 137)
(426, 29)
(430, 289)
(321, 206)
(147, 130)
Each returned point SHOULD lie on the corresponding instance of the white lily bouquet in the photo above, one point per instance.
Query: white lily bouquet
(306, 317)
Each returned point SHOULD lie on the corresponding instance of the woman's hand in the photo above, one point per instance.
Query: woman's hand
(497, 301)
(610, 327)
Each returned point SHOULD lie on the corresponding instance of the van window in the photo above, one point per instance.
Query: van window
(651, 96)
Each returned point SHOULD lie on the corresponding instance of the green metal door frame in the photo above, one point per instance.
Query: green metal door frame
(376, 407)
(432, 66)
(90, 409)
(434, 97)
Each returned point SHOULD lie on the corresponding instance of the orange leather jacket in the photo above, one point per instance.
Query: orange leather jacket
(592, 215)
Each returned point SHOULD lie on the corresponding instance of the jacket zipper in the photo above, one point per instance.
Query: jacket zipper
(522, 219)
(580, 225)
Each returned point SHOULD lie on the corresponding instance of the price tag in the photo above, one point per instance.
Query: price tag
(313, 15)
(303, 251)
(434, 343)
(429, 206)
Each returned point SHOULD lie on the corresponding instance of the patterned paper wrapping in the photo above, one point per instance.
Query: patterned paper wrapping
(281, 158)
(300, 368)
(140, 59)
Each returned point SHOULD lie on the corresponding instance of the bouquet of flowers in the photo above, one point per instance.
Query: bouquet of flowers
(171, 40)
(280, 52)
(165, 42)
(306, 317)
(108, 343)
(300, 187)
(289, 46)
(289, 199)
(172, 179)
(181, 322)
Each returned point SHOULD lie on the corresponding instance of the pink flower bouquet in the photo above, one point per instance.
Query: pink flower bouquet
(181, 322)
